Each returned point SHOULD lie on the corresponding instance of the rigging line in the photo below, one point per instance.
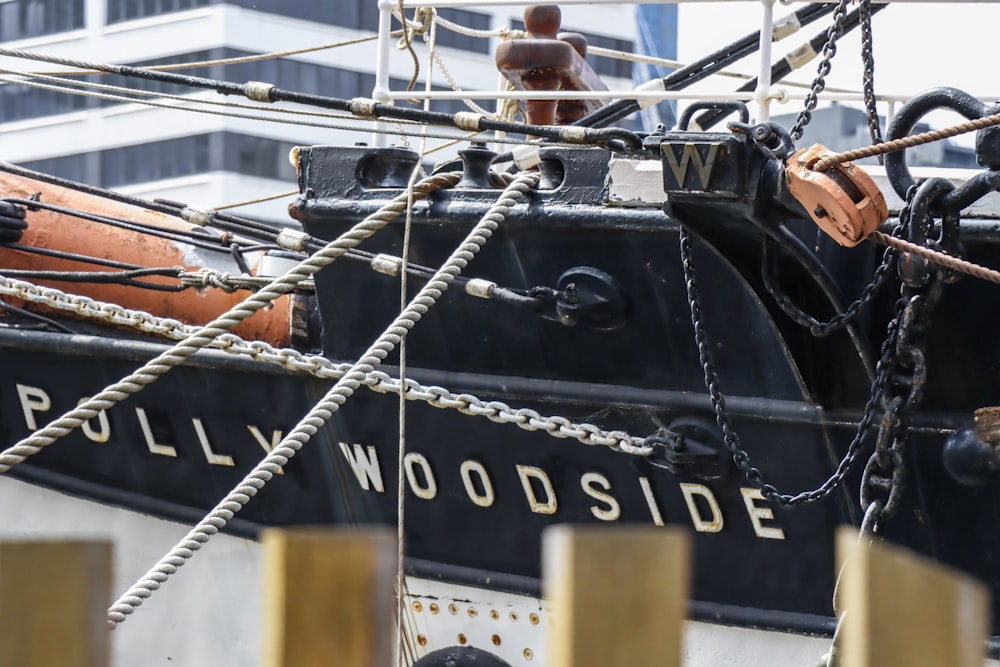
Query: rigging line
(223, 221)
(941, 258)
(403, 299)
(186, 107)
(408, 45)
(362, 107)
(48, 252)
(706, 66)
(35, 316)
(318, 416)
(189, 101)
(907, 142)
(75, 86)
(235, 60)
(796, 59)
(197, 237)
(166, 207)
(103, 277)
(430, 39)
(258, 200)
(320, 367)
(91, 276)
(203, 336)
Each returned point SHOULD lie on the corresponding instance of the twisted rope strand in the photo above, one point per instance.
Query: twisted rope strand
(907, 142)
(321, 367)
(173, 356)
(937, 257)
(322, 411)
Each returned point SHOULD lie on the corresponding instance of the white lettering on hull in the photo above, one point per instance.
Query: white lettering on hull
(268, 447)
(364, 463)
(757, 514)
(487, 497)
(613, 511)
(427, 490)
(527, 473)
(147, 433)
(211, 456)
(703, 525)
(103, 431)
(654, 509)
(32, 400)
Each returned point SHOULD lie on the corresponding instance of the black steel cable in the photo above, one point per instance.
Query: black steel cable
(784, 67)
(698, 70)
(35, 316)
(195, 237)
(620, 139)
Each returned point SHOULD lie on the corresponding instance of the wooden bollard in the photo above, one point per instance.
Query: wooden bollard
(54, 598)
(902, 610)
(619, 595)
(328, 598)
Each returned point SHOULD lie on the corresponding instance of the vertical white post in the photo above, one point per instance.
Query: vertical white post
(890, 113)
(762, 95)
(500, 136)
(381, 91)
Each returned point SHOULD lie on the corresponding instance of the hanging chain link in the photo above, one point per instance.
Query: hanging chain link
(868, 77)
(819, 83)
(740, 456)
(769, 275)
(882, 481)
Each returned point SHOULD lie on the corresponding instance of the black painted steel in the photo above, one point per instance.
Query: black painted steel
(622, 356)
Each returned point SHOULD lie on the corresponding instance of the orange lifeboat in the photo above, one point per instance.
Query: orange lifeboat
(50, 230)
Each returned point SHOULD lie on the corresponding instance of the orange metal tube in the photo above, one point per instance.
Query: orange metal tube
(48, 229)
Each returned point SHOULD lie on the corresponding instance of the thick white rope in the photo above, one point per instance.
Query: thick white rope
(202, 337)
(321, 367)
(322, 411)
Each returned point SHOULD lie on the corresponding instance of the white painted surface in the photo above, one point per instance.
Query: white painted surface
(640, 183)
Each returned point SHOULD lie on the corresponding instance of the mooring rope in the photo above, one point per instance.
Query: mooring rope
(322, 411)
(173, 356)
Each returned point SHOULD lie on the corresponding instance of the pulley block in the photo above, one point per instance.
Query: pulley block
(843, 200)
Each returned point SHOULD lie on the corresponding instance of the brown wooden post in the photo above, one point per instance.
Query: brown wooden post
(54, 598)
(902, 610)
(328, 598)
(619, 595)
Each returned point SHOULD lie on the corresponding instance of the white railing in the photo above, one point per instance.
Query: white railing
(762, 96)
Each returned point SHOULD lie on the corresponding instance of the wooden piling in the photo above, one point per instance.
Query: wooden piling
(618, 594)
(328, 598)
(903, 610)
(54, 598)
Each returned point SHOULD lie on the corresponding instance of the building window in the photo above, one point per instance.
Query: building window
(19, 102)
(20, 19)
(173, 158)
(126, 10)
(71, 167)
(356, 14)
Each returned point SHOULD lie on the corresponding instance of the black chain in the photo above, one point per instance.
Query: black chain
(769, 275)
(740, 456)
(882, 480)
(819, 83)
(868, 78)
